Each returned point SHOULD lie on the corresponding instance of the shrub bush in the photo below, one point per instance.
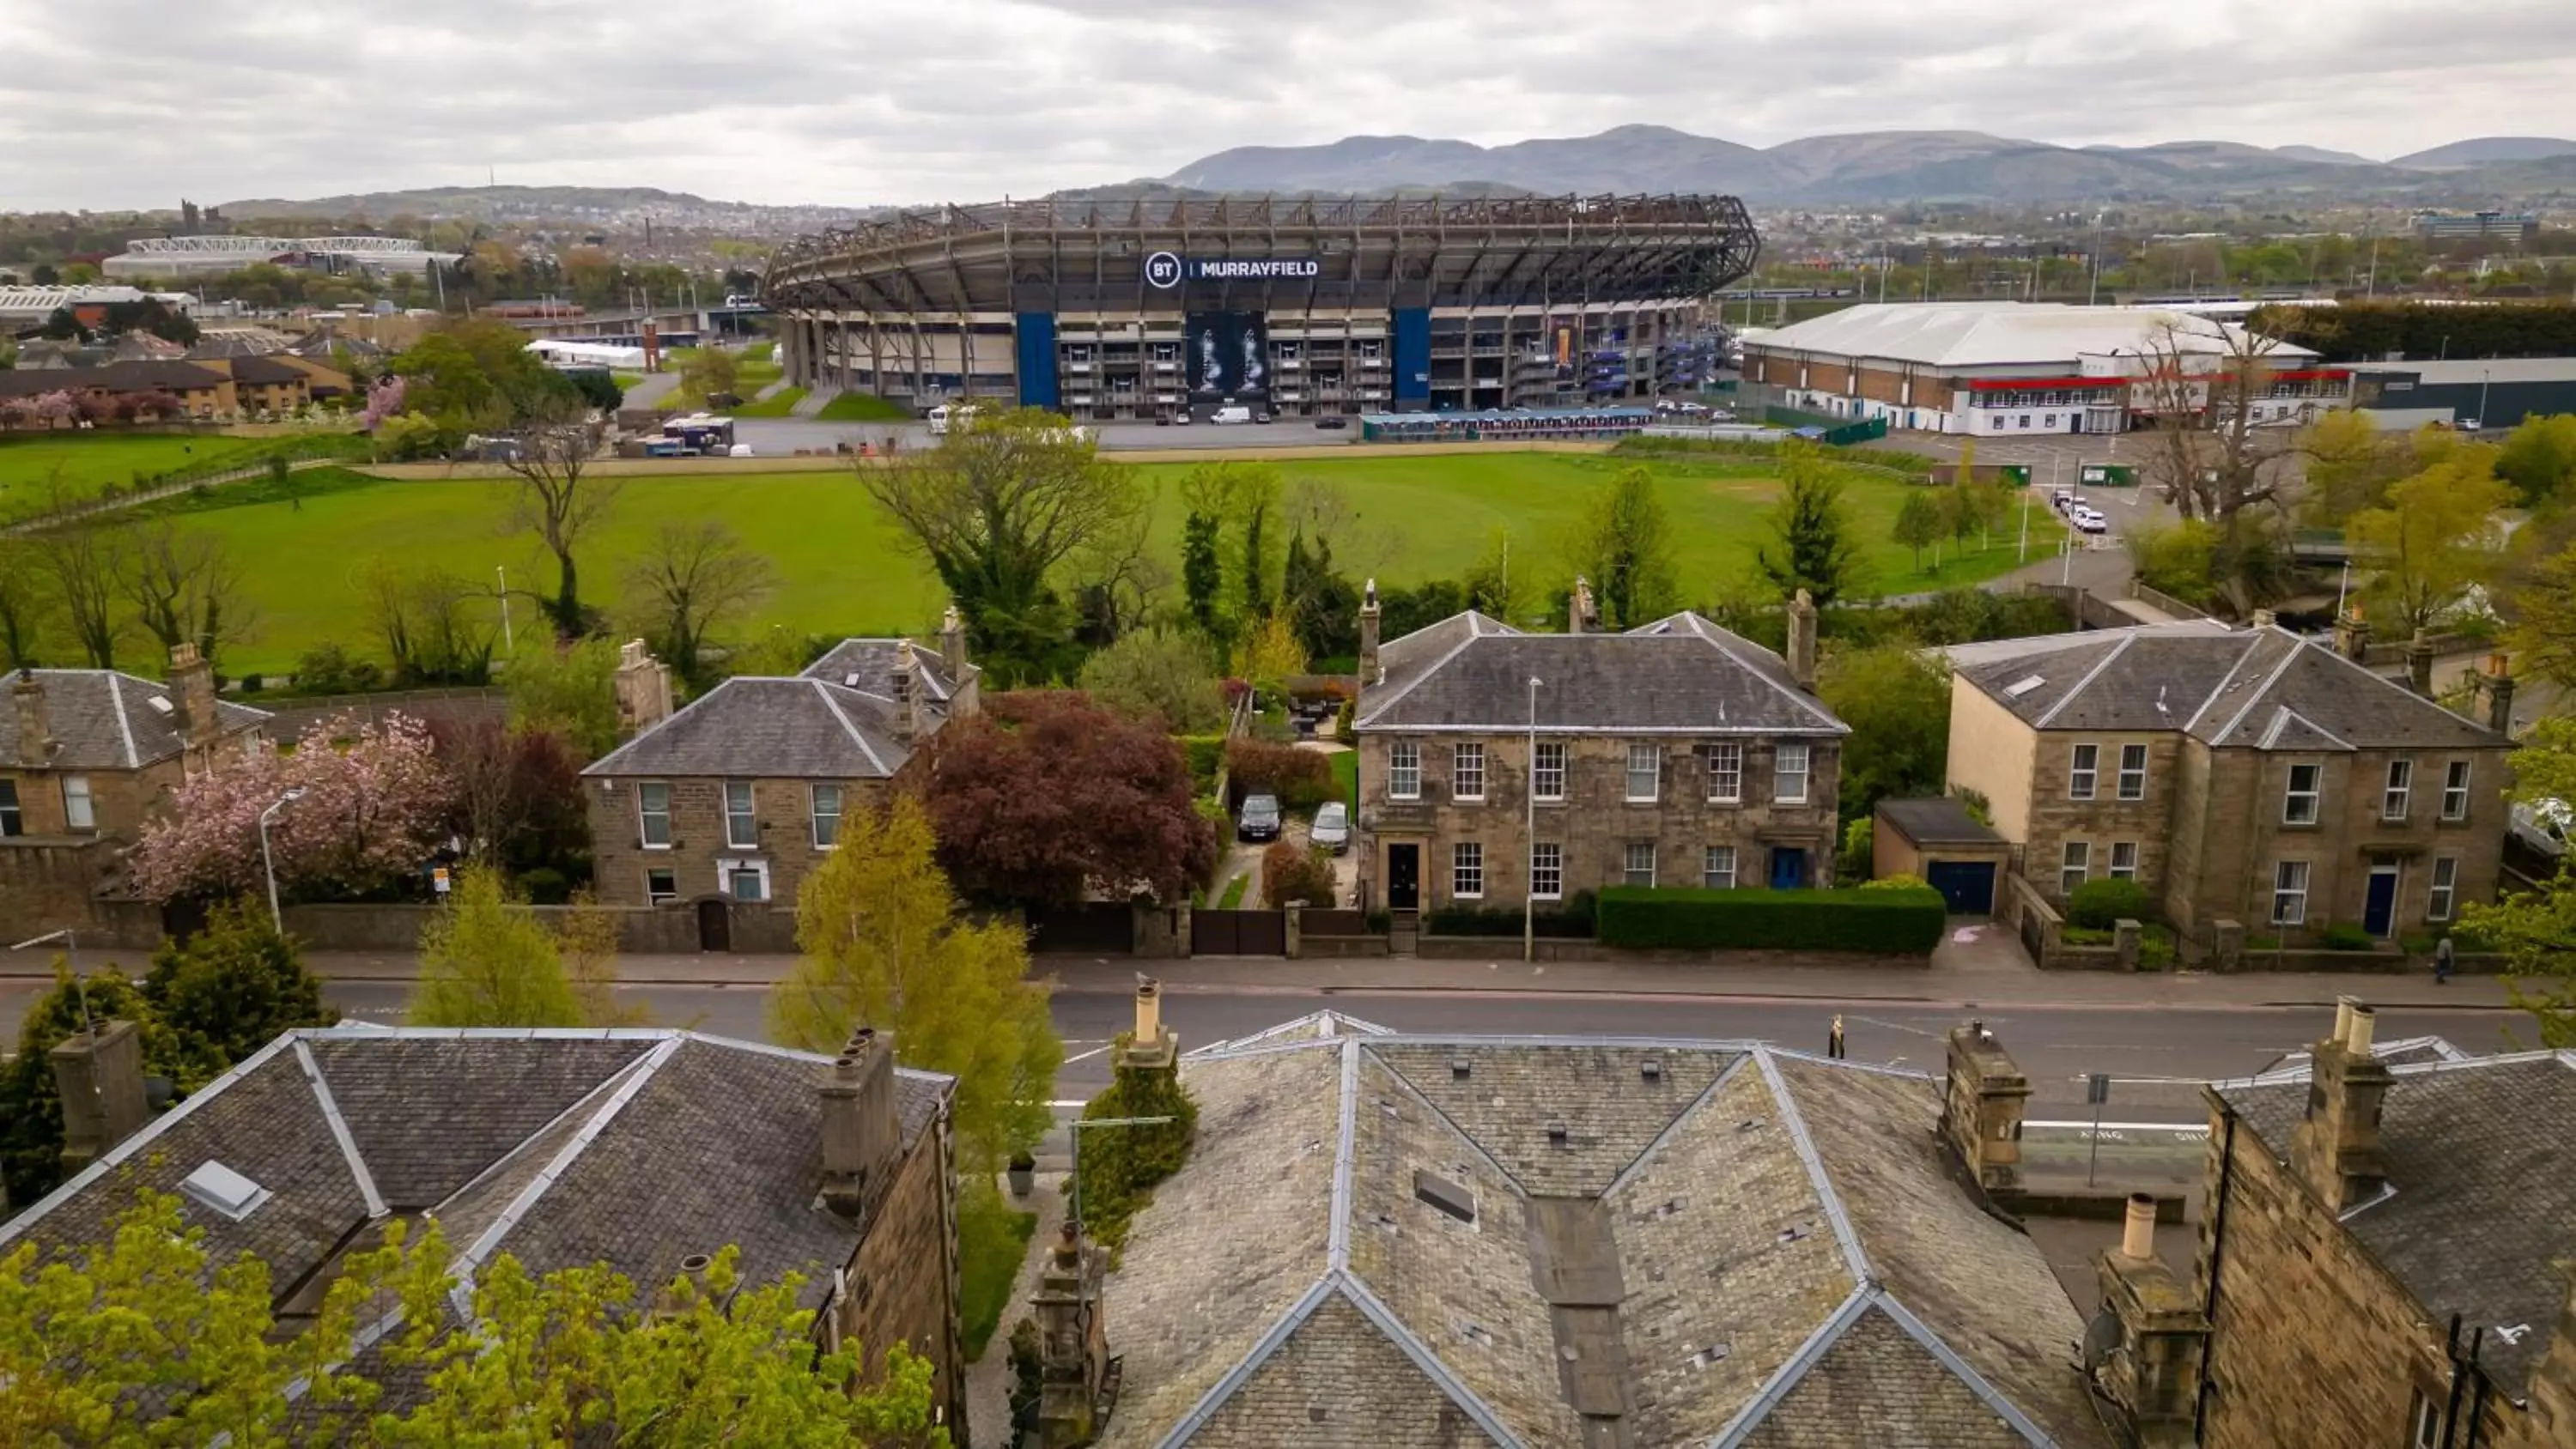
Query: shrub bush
(2345, 936)
(1573, 919)
(546, 886)
(1292, 874)
(1904, 922)
(1205, 753)
(2097, 904)
(331, 669)
(1302, 779)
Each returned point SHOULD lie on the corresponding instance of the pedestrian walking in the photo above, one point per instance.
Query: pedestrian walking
(2442, 961)
(1834, 1039)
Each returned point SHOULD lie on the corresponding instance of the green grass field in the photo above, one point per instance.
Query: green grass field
(82, 463)
(842, 567)
(779, 404)
(863, 407)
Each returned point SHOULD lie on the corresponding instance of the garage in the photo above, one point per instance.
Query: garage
(1938, 841)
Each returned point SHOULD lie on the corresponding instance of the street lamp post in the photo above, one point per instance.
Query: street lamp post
(2485, 376)
(268, 863)
(508, 646)
(1529, 836)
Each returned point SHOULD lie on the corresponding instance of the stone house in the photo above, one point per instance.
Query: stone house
(735, 797)
(2246, 775)
(647, 1150)
(2384, 1257)
(86, 757)
(1403, 1241)
(1674, 754)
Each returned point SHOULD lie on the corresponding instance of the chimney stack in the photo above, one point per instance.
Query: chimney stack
(2495, 689)
(1981, 1108)
(952, 645)
(911, 696)
(101, 1082)
(643, 688)
(1368, 634)
(2151, 1373)
(1802, 640)
(2336, 1150)
(192, 679)
(2419, 664)
(2352, 634)
(2265, 619)
(2553, 1380)
(1152, 1047)
(36, 742)
(1582, 616)
(861, 1131)
(1073, 1345)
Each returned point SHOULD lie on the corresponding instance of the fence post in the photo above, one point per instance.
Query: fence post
(1295, 931)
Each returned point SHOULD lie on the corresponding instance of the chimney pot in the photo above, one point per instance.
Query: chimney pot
(2343, 1017)
(1802, 640)
(36, 742)
(2357, 1036)
(192, 679)
(861, 1132)
(952, 644)
(1149, 1010)
(2138, 1234)
(643, 688)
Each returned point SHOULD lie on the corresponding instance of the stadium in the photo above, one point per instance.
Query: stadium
(1142, 310)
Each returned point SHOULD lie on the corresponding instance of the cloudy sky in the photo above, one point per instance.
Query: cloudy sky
(113, 103)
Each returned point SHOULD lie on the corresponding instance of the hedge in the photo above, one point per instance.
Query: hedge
(1574, 921)
(1302, 779)
(1883, 922)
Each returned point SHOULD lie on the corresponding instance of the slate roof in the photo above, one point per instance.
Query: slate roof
(1681, 675)
(128, 376)
(1999, 334)
(2265, 689)
(2483, 1173)
(867, 664)
(105, 719)
(773, 728)
(633, 1147)
(1739, 1246)
(1940, 820)
(257, 368)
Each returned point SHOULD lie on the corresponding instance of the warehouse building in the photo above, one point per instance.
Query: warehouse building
(2473, 394)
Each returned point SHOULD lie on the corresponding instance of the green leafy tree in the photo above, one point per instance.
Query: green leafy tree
(1202, 577)
(2539, 459)
(1812, 547)
(31, 1110)
(2350, 464)
(1623, 542)
(709, 372)
(487, 960)
(1255, 581)
(567, 690)
(1491, 588)
(883, 944)
(1158, 674)
(1896, 699)
(2436, 537)
(233, 986)
(1918, 523)
(2535, 930)
(1319, 600)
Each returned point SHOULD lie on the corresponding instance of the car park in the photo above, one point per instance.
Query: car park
(1332, 828)
(1259, 820)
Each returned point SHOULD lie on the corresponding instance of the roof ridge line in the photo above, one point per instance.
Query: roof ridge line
(636, 1073)
(1638, 1163)
(125, 727)
(1436, 665)
(2288, 658)
(2253, 641)
(1262, 1348)
(340, 1133)
(1794, 1368)
(1337, 1232)
(1826, 1195)
(585, 1102)
(1406, 1083)
(1373, 1308)
(822, 691)
(1994, 1398)
(2087, 678)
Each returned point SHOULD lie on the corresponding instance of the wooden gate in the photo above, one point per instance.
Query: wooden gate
(1238, 933)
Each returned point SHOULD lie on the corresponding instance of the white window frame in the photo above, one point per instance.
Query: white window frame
(727, 869)
(1653, 756)
(653, 897)
(815, 814)
(2455, 790)
(2074, 865)
(2424, 1429)
(1404, 770)
(1726, 773)
(2083, 771)
(2124, 850)
(1717, 868)
(2289, 893)
(1547, 871)
(80, 804)
(645, 814)
(1467, 870)
(2399, 793)
(2314, 795)
(1628, 868)
(1466, 764)
(1790, 767)
(2133, 782)
(1547, 775)
(2443, 894)
(750, 811)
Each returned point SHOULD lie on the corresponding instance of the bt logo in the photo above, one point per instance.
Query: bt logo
(1163, 269)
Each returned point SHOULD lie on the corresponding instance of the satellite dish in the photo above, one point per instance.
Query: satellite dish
(2101, 1336)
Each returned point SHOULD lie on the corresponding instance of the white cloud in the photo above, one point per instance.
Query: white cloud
(137, 102)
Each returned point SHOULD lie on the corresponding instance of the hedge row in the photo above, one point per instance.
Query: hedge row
(1574, 922)
(1905, 922)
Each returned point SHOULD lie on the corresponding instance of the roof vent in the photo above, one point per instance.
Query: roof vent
(225, 1191)
(1708, 1357)
(2023, 685)
(1556, 1134)
(161, 704)
(1796, 1231)
(1652, 1069)
(1666, 1209)
(1460, 1068)
(1748, 1124)
(1477, 1334)
(1433, 1190)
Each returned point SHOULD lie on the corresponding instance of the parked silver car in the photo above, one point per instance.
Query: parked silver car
(1332, 829)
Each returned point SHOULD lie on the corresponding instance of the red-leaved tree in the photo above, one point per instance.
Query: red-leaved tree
(1047, 798)
(375, 804)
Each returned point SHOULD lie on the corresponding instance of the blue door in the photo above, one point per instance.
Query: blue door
(1788, 868)
(2379, 909)
(1967, 886)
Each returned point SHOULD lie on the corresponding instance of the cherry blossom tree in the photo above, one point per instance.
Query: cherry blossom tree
(384, 400)
(375, 803)
(56, 408)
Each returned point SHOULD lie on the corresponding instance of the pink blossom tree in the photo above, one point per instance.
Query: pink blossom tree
(96, 407)
(384, 400)
(375, 804)
(18, 412)
(56, 408)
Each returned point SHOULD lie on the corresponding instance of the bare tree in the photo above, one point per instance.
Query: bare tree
(430, 622)
(24, 606)
(551, 457)
(185, 589)
(1117, 579)
(88, 563)
(692, 578)
(2209, 454)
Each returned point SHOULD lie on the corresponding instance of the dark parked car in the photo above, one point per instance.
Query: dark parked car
(1334, 421)
(1259, 820)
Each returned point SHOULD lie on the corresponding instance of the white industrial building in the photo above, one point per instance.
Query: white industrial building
(31, 306)
(2011, 369)
(180, 256)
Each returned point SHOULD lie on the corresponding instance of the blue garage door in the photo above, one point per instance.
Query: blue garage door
(1968, 885)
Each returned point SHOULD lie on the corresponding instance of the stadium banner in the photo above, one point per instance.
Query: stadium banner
(1228, 355)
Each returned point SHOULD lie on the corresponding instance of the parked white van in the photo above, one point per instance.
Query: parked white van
(1231, 413)
(942, 415)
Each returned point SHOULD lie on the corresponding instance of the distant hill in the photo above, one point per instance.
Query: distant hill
(1855, 169)
(2486, 150)
(517, 203)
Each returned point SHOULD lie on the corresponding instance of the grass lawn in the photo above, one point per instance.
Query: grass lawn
(1346, 775)
(627, 380)
(30, 466)
(779, 404)
(761, 351)
(990, 1248)
(1235, 890)
(863, 407)
(842, 567)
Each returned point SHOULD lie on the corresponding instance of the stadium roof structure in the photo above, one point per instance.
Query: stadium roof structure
(1366, 251)
(2004, 334)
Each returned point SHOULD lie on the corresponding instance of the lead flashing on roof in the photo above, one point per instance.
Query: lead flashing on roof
(2076, 690)
(1424, 1359)
(1337, 1251)
(1234, 1378)
(843, 719)
(1796, 1121)
(340, 1133)
(1655, 1148)
(1794, 1368)
(1921, 1332)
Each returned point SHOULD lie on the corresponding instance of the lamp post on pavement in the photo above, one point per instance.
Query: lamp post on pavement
(267, 862)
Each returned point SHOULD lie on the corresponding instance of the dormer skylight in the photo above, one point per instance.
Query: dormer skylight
(223, 1190)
